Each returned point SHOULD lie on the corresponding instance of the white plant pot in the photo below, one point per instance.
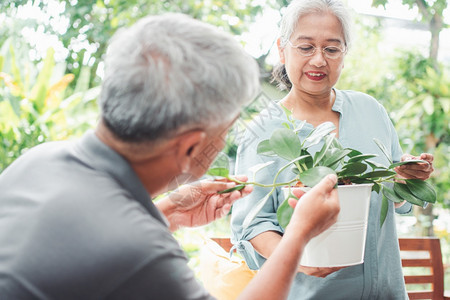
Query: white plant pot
(342, 244)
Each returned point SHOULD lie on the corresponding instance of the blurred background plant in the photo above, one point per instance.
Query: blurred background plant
(51, 68)
(36, 104)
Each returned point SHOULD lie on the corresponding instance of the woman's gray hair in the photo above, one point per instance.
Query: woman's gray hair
(295, 10)
(170, 72)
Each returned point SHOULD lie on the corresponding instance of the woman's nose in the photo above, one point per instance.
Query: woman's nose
(318, 58)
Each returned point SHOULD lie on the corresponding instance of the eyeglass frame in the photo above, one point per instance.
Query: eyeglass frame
(342, 51)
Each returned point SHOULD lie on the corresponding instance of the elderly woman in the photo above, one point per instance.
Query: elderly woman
(313, 42)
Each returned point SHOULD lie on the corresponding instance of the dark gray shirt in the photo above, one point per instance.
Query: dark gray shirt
(77, 223)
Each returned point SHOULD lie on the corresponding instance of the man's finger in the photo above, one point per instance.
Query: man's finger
(327, 184)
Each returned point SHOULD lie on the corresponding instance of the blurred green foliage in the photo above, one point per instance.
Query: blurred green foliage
(35, 104)
(90, 24)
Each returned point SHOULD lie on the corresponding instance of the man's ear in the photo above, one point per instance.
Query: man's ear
(189, 146)
(280, 51)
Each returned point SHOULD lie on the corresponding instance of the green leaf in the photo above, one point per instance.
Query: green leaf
(428, 105)
(39, 90)
(384, 210)
(338, 145)
(375, 165)
(353, 169)
(359, 180)
(300, 126)
(15, 104)
(379, 174)
(391, 195)
(15, 70)
(287, 112)
(285, 143)
(265, 149)
(313, 176)
(361, 157)
(383, 149)
(284, 213)
(307, 159)
(328, 141)
(222, 172)
(422, 190)
(403, 191)
(354, 153)
(83, 80)
(406, 162)
(236, 188)
(334, 156)
(221, 161)
(376, 187)
(318, 133)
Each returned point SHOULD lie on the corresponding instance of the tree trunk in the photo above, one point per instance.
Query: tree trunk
(436, 25)
(424, 217)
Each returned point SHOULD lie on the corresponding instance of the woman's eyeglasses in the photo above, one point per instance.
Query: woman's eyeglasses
(305, 49)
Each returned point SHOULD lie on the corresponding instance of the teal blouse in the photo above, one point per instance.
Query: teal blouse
(362, 118)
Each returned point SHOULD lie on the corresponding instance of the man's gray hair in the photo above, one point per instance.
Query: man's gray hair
(298, 8)
(170, 72)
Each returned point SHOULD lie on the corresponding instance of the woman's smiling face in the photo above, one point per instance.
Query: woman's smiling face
(315, 74)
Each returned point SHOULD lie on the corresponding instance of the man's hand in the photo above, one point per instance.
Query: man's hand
(199, 203)
(315, 212)
(317, 209)
(416, 171)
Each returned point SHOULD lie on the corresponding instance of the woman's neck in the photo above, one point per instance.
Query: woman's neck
(315, 109)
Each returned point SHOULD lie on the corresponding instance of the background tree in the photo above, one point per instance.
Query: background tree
(431, 13)
(428, 83)
(90, 24)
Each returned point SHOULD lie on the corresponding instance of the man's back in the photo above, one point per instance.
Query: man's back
(73, 225)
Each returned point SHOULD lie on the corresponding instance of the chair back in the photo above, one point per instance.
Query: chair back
(424, 256)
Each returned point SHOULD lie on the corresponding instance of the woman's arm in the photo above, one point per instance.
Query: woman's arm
(265, 244)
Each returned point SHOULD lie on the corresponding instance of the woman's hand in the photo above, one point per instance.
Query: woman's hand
(198, 203)
(318, 272)
(416, 171)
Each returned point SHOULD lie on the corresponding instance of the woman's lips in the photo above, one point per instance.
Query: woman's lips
(316, 76)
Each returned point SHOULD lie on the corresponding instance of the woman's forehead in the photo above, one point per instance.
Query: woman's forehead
(325, 27)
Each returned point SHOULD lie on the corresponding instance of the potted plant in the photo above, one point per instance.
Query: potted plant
(355, 170)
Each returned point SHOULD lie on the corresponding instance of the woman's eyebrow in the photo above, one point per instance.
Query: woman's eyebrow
(308, 38)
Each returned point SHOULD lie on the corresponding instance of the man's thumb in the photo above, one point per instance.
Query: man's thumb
(327, 183)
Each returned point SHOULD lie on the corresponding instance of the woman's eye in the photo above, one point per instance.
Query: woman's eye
(306, 48)
(332, 50)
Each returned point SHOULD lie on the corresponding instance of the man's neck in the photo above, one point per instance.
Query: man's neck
(155, 166)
